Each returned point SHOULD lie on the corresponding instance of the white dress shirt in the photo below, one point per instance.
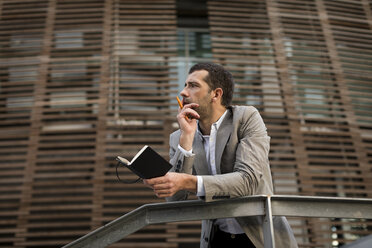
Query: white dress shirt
(229, 225)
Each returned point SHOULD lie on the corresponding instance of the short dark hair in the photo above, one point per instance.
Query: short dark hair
(218, 77)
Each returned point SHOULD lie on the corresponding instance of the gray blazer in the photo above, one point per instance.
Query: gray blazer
(243, 169)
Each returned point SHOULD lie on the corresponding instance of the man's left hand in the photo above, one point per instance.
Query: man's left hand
(171, 183)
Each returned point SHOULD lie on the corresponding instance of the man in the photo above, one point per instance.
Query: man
(220, 152)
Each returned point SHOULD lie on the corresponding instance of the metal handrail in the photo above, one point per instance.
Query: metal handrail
(265, 206)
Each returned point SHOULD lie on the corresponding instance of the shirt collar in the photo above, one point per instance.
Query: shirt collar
(217, 124)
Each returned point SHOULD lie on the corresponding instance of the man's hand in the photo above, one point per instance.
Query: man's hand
(171, 183)
(188, 125)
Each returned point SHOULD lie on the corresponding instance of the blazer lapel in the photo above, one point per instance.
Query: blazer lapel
(223, 135)
(200, 162)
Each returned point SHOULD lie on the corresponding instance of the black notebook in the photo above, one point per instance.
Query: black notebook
(146, 163)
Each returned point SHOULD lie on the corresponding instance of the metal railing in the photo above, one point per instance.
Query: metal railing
(265, 206)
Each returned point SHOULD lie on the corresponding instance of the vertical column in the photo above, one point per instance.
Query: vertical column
(36, 125)
(287, 92)
(101, 124)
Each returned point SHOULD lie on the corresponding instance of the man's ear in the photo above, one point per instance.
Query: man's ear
(217, 95)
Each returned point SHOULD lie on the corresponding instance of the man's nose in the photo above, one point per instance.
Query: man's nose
(184, 93)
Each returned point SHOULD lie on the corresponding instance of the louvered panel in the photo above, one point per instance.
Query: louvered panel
(352, 40)
(337, 163)
(78, 28)
(66, 122)
(349, 44)
(324, 111)
(63, 180)
(141, 94)
(242, 41)
(341, 231)
(289, 75)
(83, 81)
(19, 74)
(17, 37)
(144, 96)
(18, 79)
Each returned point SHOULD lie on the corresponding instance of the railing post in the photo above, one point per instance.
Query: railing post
(268, 228)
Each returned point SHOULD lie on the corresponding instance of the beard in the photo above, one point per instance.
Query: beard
(204, 109)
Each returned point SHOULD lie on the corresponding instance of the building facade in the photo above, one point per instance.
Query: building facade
(82, 81)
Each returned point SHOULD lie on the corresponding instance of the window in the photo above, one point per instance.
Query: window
(194, 42)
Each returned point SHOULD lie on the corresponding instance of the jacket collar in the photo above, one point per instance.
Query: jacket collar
(223, 134)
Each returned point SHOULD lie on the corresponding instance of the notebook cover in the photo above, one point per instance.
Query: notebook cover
(150, 164)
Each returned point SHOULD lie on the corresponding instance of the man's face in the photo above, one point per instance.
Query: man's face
(197, 91)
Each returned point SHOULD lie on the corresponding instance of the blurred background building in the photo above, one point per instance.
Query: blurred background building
(82, 81)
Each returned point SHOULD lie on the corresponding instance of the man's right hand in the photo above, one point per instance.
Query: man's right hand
(187, 125)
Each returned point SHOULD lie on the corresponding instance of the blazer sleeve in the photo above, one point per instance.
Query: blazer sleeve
(181, 164)
(251, 172)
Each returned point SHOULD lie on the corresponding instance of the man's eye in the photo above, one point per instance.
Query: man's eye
(190, 85)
